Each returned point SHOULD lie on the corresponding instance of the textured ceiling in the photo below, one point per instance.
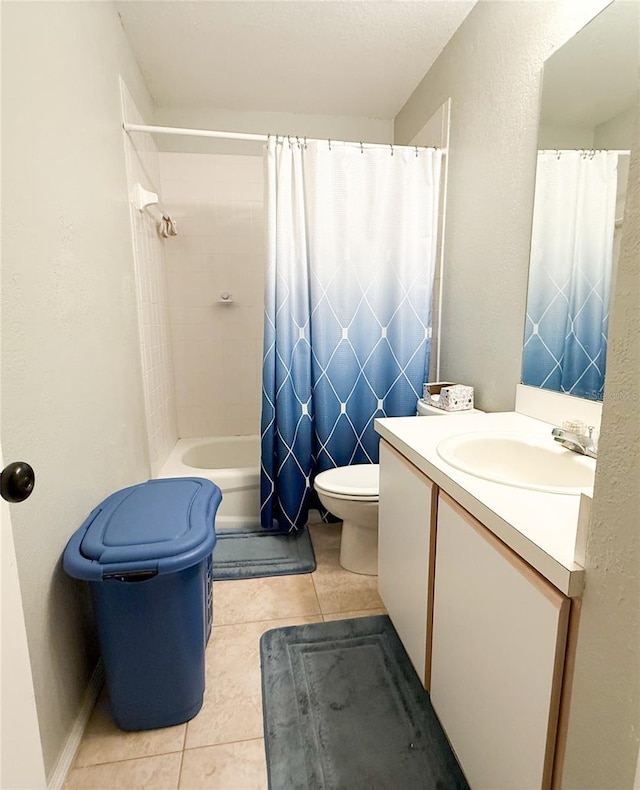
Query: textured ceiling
(315, 57)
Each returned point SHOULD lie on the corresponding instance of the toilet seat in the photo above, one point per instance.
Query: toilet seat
(360, 482)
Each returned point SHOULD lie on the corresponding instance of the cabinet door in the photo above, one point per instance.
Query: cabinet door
(405, 552)
(499, 636)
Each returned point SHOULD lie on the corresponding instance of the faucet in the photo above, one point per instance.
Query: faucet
(578, 437)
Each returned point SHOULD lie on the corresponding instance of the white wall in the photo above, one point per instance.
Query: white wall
(617, 131)
(143, 167)
(565, 137)
(217, 202)
(491, 70)
(72, 396)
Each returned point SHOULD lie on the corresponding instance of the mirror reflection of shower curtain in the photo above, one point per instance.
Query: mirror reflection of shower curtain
(351, 239)
(570, 272)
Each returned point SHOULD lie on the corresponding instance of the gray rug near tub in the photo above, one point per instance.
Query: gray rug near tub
(253, 552)
(343, 708)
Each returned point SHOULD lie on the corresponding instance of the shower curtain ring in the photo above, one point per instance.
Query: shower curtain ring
(391, 147)
(329, 141)
(416, 151)
(361, 148)
(305, 142)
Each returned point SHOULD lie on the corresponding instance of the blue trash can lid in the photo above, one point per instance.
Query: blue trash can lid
(162, 525)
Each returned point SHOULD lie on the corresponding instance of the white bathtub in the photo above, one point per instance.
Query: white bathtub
(233, 463)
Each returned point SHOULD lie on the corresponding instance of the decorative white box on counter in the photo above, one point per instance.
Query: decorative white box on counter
(448, 396)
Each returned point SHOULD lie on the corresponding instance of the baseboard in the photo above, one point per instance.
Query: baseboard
(72, 743)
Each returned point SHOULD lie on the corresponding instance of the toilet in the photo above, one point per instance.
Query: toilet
(351, 494)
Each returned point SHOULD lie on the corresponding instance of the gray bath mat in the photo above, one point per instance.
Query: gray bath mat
(343, 708)
(254, 552)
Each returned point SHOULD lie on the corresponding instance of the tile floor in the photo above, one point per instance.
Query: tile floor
(222, 748)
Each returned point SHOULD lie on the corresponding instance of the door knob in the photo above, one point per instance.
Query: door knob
(17, 481)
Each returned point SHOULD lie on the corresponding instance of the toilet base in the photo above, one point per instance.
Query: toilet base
(359, 549)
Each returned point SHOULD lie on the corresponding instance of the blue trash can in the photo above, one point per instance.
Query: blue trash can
(146, 552)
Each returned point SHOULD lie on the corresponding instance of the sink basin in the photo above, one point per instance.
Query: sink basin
(522, 460)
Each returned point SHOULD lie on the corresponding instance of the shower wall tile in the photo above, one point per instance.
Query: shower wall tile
(143, 166)
(217, 201)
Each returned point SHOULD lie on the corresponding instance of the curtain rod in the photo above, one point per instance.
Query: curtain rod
(136, 127)
(582, 151)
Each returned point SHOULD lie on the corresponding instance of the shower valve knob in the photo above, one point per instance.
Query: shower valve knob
(17, 481)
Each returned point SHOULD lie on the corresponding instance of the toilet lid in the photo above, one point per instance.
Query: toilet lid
(359, 480)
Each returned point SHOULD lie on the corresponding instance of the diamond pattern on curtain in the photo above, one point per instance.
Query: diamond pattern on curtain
(570, 273)
(351, 241)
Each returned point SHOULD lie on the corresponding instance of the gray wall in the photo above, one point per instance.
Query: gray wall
(491, 70)
(71, 381)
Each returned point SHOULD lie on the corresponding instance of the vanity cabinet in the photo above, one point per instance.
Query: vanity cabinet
(486, 633)
(405, 552)
(499, 638)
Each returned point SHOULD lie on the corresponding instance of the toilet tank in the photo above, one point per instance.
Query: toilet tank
(425, 409)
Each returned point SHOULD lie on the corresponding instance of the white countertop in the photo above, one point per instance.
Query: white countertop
(538, 526)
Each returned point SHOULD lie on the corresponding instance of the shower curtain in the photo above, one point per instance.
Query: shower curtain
(351, 235)
(570, 272)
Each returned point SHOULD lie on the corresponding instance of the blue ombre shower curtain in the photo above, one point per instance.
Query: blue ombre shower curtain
(351, 235)
(565, 344)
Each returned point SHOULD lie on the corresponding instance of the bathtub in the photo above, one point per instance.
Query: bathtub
(233, 463)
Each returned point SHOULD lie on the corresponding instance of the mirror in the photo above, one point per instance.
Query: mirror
(589, 96)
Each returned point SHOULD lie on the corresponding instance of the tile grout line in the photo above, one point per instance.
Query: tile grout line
(296, 616)
(184, 744)
(269, 619)
(315, 589)
(127, 759)
(315, 592)
(222, 743)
